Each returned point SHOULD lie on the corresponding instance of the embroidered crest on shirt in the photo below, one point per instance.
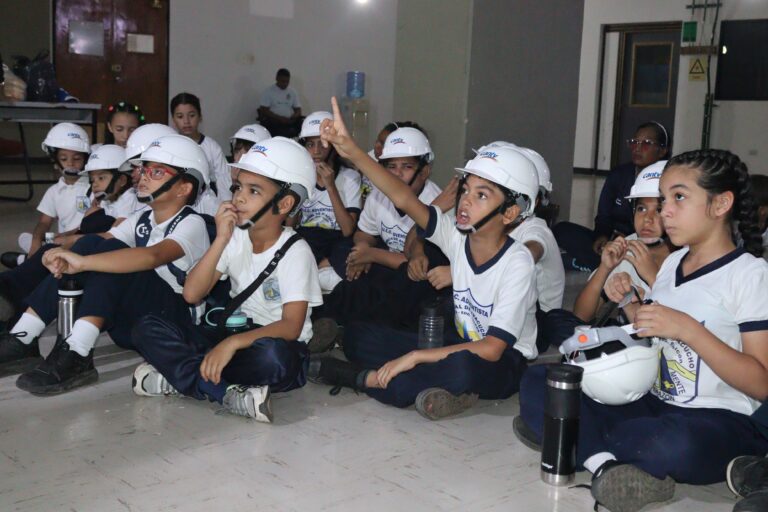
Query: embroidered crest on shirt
(679, 367)
(393, 236)
(471, 317)
(271, 290)
(82, 203)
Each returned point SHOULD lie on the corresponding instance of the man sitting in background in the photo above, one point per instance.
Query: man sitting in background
(279, 107)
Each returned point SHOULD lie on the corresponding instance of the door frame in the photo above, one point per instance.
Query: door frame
(623, 29)
(166, 49)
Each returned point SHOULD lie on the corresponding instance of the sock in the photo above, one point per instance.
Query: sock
(214, 392)
(362, 377)
(594, 462)
(328, 279)
(83, 337)
(20, 259)
(28, 328)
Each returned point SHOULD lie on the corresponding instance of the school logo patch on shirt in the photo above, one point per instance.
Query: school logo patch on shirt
(82, 203)
(471, 317)
(318, 215)
(271, 290)
(394, 237)
(679, 368)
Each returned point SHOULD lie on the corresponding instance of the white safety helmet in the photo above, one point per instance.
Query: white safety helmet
(542, 169)
(66, 136)
(618, 377)
(510, 168)
(405, 142)
(106, 157)
(647, 182)
(140, 140)
(180, 152)
(311, 125)
(251, 132)
(282, 160)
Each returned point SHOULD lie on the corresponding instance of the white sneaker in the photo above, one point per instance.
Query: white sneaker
(252, 402)
(147, 381)
(328, 279)
(25, 242)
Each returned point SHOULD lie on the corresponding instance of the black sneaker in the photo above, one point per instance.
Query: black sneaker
(324, 334)
(755, 502)
(525, 434)
(324, 369)
(63, 370)
(15, 356)
(437, 403)
(627, 488)
(10, 259)
(747, 474)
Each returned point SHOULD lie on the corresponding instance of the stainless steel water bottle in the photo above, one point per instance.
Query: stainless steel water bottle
(70, 293)
(561, 423)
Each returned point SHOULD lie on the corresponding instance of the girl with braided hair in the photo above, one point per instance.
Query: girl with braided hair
(708, 313)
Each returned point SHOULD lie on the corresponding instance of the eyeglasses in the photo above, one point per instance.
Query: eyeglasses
(642, 143)
(156, 172)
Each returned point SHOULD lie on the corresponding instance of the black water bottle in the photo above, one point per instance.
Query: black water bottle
(561, 423)
(70, 293)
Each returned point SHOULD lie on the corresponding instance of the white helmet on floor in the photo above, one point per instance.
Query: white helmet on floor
(509, 168)
(405, 142)
(618, 369)
(647, 182)
(282, 160)
(251, 132)
(140, 140)
(106, 157)
(311, 125)
(180, 152)
(66, 136)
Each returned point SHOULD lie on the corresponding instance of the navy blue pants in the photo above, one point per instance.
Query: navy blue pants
(177, 350)
(371, 346)
(120, 299)
(383, 295)
(328, 243)
(577, 242)
(692, 446)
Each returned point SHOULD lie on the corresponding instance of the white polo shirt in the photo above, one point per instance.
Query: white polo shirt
(550, 274)
(318, 213)
(381, 218)
(66, 203)
(280, 101)
(217, 167)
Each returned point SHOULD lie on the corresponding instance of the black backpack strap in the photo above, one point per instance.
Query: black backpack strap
(180, 275)
(241, 297)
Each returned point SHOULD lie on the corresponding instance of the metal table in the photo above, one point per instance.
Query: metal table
(21, 112)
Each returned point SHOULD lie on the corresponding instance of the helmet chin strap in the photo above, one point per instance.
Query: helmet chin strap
(160, 191)
(511, 199)
(271, 204)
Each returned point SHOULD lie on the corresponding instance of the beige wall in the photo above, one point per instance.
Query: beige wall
(431, 73)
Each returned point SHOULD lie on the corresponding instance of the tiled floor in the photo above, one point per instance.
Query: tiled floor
(102, 448)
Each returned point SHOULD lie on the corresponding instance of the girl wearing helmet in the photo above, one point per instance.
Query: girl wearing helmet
(708, 312)
(187, 115)
(330, 218)
(494, 291)
(240, 369)
(638, 256)
(134, 269)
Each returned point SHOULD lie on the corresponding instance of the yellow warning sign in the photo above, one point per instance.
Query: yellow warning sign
(697, 69)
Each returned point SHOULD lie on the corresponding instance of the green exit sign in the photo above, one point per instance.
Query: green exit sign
(689, 31)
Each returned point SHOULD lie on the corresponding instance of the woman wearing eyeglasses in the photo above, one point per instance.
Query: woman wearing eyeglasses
(650, 143)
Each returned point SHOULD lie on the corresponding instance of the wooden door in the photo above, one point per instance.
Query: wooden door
(133, 61)
(646, 86)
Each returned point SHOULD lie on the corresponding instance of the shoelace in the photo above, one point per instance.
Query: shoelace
(586, 486)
